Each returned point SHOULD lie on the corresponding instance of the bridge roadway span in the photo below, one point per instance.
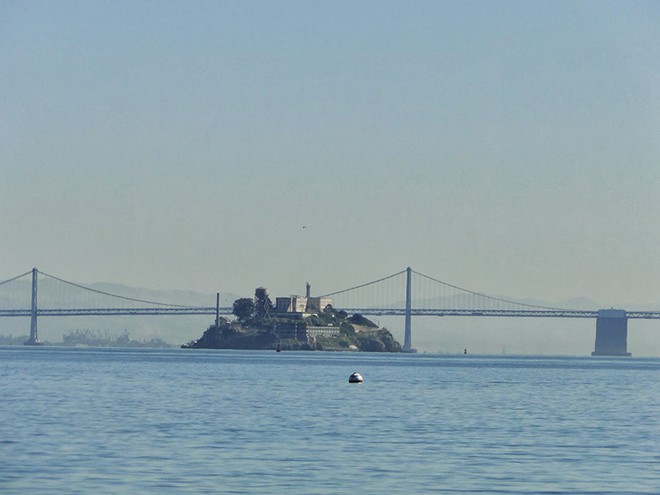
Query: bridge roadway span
(209, 310)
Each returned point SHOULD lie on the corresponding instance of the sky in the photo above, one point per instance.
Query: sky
(511, 147)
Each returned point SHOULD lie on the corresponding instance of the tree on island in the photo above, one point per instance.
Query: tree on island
(243, 308)
(258, 309)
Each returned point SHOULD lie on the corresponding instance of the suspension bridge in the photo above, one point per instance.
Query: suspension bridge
(406, 293)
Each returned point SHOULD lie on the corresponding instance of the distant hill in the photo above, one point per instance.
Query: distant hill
(166, 296)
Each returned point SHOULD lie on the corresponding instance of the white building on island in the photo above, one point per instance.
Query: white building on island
(301, 305)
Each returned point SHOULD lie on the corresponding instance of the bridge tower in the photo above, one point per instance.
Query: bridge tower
(611, 333)
(407, 338)
(34, 337)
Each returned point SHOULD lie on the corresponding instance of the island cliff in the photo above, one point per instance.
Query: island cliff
(259, 326)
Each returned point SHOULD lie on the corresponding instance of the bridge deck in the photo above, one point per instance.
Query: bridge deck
(208, 310)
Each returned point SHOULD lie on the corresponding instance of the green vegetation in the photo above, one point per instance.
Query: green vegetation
(243, 308)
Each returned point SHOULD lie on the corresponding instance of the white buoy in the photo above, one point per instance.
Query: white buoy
(355, 378)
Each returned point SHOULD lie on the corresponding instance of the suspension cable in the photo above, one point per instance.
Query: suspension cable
(114, 295)
(15, 278)
(364, 285)
(486, 295)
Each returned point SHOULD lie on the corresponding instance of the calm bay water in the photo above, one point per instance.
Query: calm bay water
(193, 421)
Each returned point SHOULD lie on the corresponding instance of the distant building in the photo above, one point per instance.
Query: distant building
(301, 305)
(318, 303)
(292, 330)
(313, 331)
(291, 304)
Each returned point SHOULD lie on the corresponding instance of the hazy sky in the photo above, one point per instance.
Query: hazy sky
(512, 148)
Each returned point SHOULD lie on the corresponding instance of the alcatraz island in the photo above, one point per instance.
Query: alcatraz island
(294, 323)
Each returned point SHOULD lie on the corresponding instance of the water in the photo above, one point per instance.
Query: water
(193, 421)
